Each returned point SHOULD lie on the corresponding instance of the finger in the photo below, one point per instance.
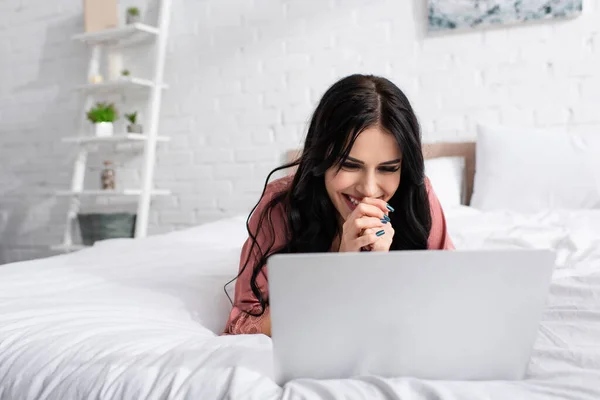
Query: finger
(370, 231)
(362, 223)
(384, 241)
(367, 210)
(380, 245)
(367, 239)
(382, 205)
(389, 230)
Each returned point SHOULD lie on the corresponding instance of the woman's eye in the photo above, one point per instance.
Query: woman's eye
(390, 169)
(351, 166)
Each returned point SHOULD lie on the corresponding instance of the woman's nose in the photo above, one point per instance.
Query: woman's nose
(368, 187)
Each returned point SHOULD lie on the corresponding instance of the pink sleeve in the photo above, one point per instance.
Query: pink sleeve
(239, 322)
(439, 239)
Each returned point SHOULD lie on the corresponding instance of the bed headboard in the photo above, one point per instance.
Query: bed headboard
(456, 149)
(437, 150)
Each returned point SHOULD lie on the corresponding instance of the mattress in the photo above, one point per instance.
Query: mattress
(140, 319)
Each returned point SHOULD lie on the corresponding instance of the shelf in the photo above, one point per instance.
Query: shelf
(121, 84)
(68, 247)
(122, 36)
(111, 193)
(120, 138)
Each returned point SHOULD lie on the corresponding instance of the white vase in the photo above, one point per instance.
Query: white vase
(132, 19)
(115, 64)
(104, 129)
(134, 128)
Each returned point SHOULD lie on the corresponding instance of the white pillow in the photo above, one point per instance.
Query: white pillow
(528, 170)
(446, 175)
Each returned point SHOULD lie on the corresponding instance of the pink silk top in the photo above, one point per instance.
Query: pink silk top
(241, 323)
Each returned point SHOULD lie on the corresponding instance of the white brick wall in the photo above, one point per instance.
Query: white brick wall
(245, 76)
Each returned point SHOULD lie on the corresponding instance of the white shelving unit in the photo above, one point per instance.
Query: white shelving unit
(67, 248)
(121, 138)
(122, 85)
(122, 36)
(110, 193)
(129, 35)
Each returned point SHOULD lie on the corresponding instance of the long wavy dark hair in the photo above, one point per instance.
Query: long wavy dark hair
(347, 108)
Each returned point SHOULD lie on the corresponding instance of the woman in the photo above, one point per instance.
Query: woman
(359, 186)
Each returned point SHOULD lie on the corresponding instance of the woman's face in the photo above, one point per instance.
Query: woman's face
(371, 170)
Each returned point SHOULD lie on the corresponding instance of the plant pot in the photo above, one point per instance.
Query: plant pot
(132, 19)
(104, 129)
(134, 128)
(99, 226)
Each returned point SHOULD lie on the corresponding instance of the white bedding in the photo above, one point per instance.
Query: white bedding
(136, 320)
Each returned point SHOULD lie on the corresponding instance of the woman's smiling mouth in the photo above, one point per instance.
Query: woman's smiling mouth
(351, 202)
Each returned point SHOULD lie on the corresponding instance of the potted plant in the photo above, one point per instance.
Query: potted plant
(133, 15)
(133, 126)
(125, 74)
(102, 115)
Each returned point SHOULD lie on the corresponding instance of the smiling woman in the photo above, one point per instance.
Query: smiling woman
(359, 186)
(371, 171)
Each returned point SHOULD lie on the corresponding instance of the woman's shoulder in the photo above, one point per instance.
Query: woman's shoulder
(273, 189)
(278, 185)
(427, 184)
(275, 213)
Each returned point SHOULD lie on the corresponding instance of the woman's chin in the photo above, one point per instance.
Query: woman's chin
(342, 216)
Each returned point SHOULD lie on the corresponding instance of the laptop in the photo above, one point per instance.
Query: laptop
(441, 315)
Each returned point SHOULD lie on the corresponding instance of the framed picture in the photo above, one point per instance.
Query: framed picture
(100, 14)
(467, 14)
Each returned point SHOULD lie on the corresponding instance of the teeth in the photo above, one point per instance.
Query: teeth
(353, 200)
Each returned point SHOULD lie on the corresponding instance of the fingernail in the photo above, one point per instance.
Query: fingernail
(390, 207)
(387, 219)
(381, 232)
(384, 221)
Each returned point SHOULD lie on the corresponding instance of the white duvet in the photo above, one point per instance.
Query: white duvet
(137, 320)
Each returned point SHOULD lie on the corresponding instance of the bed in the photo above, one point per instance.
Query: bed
(139, 319)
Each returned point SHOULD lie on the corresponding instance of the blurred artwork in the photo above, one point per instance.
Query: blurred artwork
(464, 14)
(99, 15)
